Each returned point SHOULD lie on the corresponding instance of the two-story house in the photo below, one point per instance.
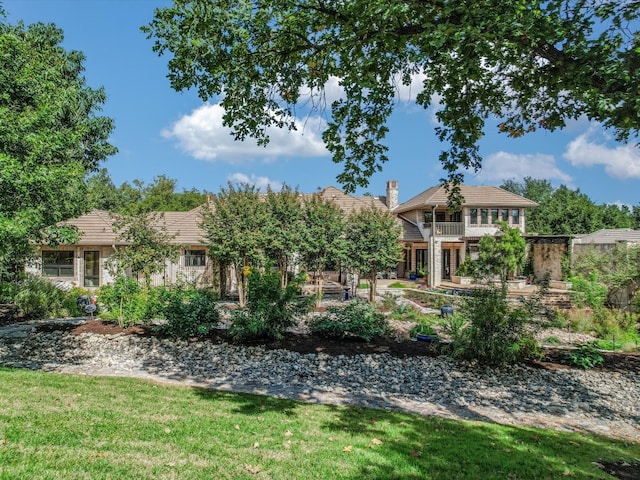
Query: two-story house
(437, 240)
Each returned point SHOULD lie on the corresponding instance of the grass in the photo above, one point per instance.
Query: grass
(75, 427)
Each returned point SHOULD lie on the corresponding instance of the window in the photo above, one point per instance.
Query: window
(473, 216)
(428, 217)
(440, 217)
(422, 259)
(484, 216)
(91, 269)
(195, 258)
(515, 216)
(494, 216)
(505, 214)
(57, 263)
(456, 217)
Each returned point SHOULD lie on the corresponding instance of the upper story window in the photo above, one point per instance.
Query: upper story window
(428, 217)
(473, 216)
(456, 217)
(440, 217)
(484, 216)
(195, 258)
(515, 216)
(494, 216)
(57, 263)
(505, 214)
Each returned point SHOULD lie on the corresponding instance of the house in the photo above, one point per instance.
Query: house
(85, 263)
(605, 239)
(437, 240)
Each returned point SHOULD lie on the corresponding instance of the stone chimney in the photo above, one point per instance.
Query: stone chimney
(392, 194)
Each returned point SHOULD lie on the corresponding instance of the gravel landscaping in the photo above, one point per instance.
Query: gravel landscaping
(600, 401)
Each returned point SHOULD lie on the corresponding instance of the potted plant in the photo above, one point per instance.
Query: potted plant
(423, 273)
(424, 333)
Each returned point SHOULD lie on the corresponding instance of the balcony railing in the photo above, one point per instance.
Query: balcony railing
(448, 229)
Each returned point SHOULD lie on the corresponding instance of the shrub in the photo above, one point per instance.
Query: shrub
(588, 292)
(453, 325)
(585, 356)
(38, 298)
(270, 309)
(552, 340)
(8, 291)
(357, 319)
(389, 301)
(495, 332)
(128, 303)
(190, 313)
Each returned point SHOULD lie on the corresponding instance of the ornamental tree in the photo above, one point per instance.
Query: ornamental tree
(323, 241)
(532, 64)
(50, 138)
(372, 244)
(233, 224)
(147, 245)
(284, 229)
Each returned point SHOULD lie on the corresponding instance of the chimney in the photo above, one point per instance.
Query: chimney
(392, 194)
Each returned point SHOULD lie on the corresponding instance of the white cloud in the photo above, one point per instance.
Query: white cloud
(504, 165)
(260, 182)
(408, 93)
(202, 135)
(622, 161)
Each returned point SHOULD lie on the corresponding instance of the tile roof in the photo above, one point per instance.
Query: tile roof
(410, 231)
(609, 236)
(350, 204)
(96, 227)
(480, 196)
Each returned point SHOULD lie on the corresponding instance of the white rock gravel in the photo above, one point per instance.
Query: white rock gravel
(602, 402)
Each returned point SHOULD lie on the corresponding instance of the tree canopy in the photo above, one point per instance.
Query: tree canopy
(137, 197)
(564, 211)
(50, 137)
(532, 64)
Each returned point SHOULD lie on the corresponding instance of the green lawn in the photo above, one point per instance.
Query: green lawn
(74, 427)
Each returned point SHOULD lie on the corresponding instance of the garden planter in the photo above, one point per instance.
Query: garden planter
(426, 338)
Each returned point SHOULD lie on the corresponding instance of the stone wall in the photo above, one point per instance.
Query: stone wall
(547, 257)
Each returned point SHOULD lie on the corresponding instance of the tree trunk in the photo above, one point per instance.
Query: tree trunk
(373, 283)
(318, 289)
(240, 283)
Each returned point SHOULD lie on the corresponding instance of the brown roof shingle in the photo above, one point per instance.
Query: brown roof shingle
(480, 196)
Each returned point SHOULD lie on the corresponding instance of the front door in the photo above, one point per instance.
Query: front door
(446, 264)
(91, 269)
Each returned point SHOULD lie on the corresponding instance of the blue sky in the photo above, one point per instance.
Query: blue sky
(163, 132)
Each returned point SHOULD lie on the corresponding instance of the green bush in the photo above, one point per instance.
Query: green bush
(453, 325)
(495, 332)
(190, 313)
(588, 292)
(38, 298)
(585, 356)
(8, 291)
(128, 303)
(270, 309)
(357, 319)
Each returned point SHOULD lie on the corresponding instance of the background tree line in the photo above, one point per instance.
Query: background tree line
(563, 211)
(136, 197)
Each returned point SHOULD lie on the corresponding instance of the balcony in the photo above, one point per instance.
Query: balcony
(448, 229)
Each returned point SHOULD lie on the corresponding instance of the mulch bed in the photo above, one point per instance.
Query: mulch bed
(553, 359)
